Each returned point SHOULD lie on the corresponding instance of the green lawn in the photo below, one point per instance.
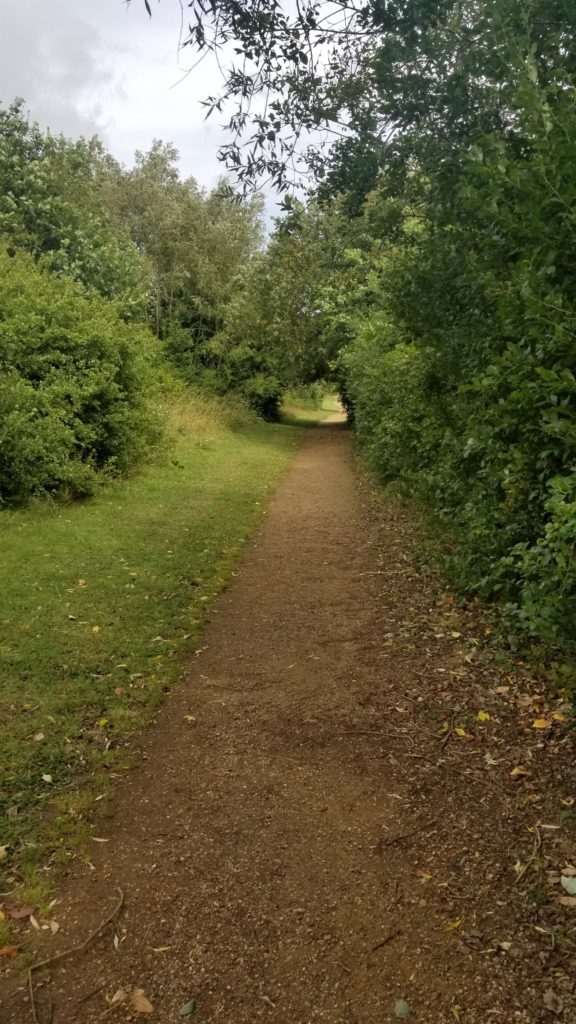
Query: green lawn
(99, 603)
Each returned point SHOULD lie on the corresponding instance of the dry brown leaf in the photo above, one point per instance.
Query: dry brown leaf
(567, 901)
(140, 1003)
(120, 996)
(19, 913)
(8, 951)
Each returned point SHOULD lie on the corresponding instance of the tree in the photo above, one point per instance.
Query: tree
(51, 205)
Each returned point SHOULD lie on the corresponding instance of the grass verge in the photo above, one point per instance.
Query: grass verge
(99, 602)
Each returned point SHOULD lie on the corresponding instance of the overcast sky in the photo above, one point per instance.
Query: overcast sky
(99, 66)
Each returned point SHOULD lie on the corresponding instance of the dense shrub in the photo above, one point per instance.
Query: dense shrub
(74, 380)
(263, 392)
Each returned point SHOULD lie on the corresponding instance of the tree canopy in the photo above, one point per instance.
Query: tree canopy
(432, 266)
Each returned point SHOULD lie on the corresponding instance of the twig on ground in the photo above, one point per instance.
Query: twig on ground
(406, 835)
(450, 730)
(533, 855)
(359, 732)
(385, 941)
(94, 992)
(31, 997)
(69, 952)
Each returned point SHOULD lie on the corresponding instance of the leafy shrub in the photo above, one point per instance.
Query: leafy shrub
(74, 380)
(263, 392)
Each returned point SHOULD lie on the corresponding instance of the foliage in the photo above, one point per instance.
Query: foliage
(443, 275)
(74, 380)
(51, 205)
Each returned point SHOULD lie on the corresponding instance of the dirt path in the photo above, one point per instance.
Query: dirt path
(291, 855)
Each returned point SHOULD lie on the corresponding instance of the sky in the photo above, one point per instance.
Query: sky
(88, 67)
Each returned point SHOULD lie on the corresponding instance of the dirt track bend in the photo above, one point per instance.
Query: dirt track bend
(269, 851)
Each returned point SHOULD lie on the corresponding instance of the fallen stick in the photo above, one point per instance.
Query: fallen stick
(533, 855)
(69, 952)
(406, 835)
(385, 941)
(450, 731)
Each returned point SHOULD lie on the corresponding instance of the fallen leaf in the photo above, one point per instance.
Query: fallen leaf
(557, 716)
(190, 718)
(567, 901)
(102, 722)
(140, 1003)
(161, 949)
(541, 723)
(3, 853)
(119, 690)
(38, 737)
(120, 996)
(425, 876)
(552, 1001)
(54, 927)
(459, 731)
(47, 778)
(452, 925)
(188, 1009)
(401, 1008)
(8, 951)
(95, 629)
(483, 716)
(96, 839)
(568, 883)
(34, 922)
(2, 916)
(519, 770)
(19, 913)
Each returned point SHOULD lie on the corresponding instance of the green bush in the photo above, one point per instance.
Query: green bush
(263, 392)
(74, 380)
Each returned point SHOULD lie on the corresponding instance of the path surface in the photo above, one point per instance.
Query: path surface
(272, 851)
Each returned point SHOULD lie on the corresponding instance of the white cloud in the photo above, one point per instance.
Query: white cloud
(101, 66)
